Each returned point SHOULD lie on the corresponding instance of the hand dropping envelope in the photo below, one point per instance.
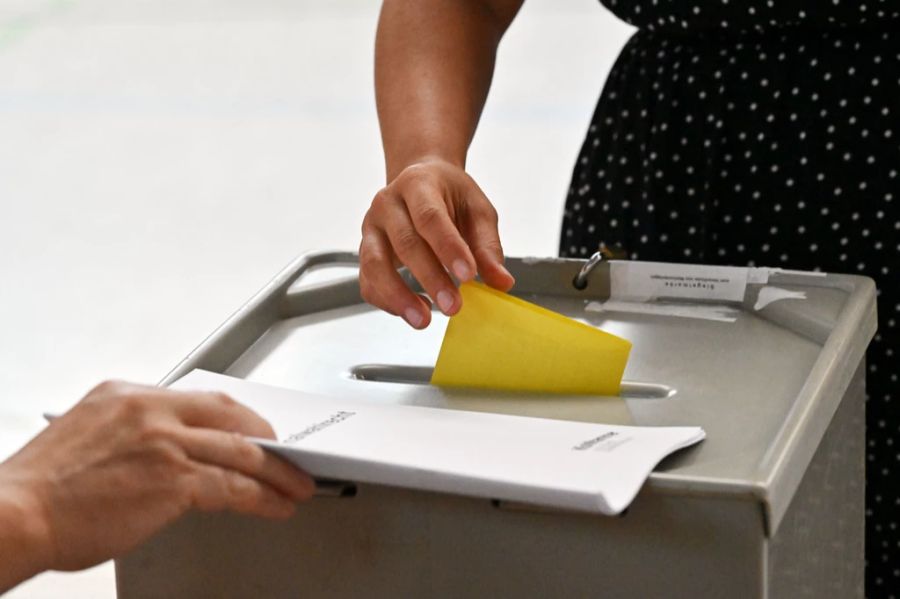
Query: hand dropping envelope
(498, 341)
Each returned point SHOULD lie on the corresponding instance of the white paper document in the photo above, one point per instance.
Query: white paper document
(634, 281)
(647, 281)
(554, 463)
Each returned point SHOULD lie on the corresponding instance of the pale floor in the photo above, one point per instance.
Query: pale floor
(160, 160)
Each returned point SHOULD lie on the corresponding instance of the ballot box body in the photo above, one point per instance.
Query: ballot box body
(771, 504)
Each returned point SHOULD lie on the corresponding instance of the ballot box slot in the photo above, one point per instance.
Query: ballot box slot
(421, 375)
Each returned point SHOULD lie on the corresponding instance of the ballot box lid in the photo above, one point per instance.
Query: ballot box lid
(763, 372)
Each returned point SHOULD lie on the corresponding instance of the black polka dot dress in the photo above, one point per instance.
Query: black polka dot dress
(752, 132)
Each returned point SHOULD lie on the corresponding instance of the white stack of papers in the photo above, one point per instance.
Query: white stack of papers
(554, 463)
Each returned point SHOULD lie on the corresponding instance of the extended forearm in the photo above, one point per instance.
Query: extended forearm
(22, 554)
(434, 61)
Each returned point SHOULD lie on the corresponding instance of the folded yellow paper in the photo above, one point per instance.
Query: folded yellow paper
(498, 341)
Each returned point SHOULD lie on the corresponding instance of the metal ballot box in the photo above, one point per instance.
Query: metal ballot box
(769, 505)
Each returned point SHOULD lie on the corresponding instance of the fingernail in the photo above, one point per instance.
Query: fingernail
(445, 301)
(413, 317)
(462, 270)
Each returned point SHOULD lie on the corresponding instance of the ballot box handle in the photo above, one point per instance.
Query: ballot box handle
(532, 508)
(270, 304)
(326, 487)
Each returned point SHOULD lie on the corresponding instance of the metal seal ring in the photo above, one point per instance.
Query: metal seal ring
(580, 280)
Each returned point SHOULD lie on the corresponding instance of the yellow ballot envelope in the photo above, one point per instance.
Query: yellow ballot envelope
(498, 341)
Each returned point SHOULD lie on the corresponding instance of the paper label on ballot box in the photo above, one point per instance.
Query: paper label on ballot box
(646, 281)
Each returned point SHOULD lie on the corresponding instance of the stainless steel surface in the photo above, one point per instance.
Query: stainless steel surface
(771, 380)
(819, 548)
(776, 390)
(385, 542)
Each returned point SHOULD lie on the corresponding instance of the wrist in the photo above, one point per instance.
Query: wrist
(395, 167)
(25, 547)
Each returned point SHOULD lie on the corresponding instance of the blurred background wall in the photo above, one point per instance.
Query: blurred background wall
(161, 159)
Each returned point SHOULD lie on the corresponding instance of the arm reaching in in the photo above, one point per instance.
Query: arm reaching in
(434, 61)
(123, 463)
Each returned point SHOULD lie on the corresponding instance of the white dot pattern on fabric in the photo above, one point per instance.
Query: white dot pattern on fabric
(761, 133)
